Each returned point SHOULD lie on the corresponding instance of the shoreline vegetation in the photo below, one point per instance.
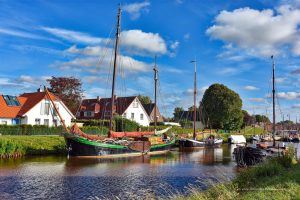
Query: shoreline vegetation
(17, 141)
(277, 178)
(14, 146)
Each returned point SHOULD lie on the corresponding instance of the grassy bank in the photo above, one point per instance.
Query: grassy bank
(14, 146)
(275, 179)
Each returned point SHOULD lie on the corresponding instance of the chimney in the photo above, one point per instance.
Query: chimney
(40, 89)
(98, 98)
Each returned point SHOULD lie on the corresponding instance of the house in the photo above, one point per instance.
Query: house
(189, 116)
(128, 107)
(150, 111)
(33, 108)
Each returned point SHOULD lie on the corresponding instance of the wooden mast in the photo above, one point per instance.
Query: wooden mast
(195, 93)
(273, 98)
(155, 91)
(114, 71)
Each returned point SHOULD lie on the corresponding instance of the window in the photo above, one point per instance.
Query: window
(124, 115)
(45, 107)
(11, 100)
(4, 122)
(132, 116)
(46, 122)
(37, 121)
(88, 114)
(142, 116)
(135, 104)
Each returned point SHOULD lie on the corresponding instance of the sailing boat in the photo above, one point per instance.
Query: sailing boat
(209, 142)
(117, 143)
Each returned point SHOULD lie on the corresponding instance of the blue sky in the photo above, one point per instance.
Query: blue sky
(231, 40)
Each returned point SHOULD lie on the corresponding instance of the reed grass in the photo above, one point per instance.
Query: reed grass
(273, 179)
(16, 146)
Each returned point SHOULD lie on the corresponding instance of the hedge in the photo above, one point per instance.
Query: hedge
(30, 130)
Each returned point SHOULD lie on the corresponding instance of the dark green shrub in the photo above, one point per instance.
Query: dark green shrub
(123, 124)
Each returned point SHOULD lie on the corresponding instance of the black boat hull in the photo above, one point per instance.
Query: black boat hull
(81, 147)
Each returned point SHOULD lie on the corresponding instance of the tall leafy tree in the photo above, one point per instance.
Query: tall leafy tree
(247, 118)
(262, 118)
(177, 112)
(68, 89)
(144, 99)
(223, 107)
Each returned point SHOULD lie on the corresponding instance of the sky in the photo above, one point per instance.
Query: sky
(232, 42)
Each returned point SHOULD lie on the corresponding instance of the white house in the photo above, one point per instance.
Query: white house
(33, 108)
(128, 107)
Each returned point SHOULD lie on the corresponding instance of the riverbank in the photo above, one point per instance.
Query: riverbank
(16, 146)
(278, 178)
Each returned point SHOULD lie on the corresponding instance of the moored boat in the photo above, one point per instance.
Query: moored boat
(211, 141)
(116, 143)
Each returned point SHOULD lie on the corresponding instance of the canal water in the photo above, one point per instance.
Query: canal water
(154, 176)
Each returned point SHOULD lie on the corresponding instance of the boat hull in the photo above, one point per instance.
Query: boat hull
(189, 143)
(78, 146)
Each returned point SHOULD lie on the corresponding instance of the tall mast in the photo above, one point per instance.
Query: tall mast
(114, 71)
(155, 91)
(195, 94)
(273, 98)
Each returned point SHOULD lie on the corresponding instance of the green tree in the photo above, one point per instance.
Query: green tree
(68, 89)
(261, 118)
(144, 99)
(247, 118)
(223, 107)
(177, 112)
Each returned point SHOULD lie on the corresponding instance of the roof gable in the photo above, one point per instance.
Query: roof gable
(33, 99)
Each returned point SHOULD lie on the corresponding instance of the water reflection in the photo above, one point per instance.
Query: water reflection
(61, 178)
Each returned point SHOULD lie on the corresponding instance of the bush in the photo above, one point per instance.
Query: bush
(123, 124)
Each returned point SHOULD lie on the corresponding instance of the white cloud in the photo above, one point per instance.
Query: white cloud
(174, 45)
(8, 82)
(258, 32)
(250, 87)
(135, 9)
(257, 99)
(296, 106)
(134, 41)
(288, 95)
(73, 36)
(24, 34)
(93, 62)
(141, 42)
(280, 79)
(88, 51)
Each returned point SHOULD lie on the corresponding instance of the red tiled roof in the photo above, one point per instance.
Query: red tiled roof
(10, 111)
(104, 105)
(27, 101)
(33, 99)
